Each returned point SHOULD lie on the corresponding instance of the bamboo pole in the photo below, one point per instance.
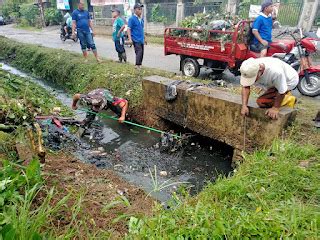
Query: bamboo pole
(40, 150)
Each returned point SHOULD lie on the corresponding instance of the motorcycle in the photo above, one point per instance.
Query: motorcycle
(299, 58)
(64, 36)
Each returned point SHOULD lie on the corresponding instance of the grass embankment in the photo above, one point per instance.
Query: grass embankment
(69, 71)
(64, 198)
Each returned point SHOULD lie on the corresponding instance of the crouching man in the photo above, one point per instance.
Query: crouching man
(279, 78)
(98, 100)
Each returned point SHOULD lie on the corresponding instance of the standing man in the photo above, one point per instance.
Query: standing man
(117, 35)
(262, 29)
(279, 77)
(82, 22)
(136, 33)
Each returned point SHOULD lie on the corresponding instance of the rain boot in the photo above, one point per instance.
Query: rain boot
(124, 57)
(120, 57)
(289, 100)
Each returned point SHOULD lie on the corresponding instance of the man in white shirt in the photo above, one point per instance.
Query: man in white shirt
(279, 78)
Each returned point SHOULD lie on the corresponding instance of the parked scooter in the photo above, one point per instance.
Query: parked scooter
(64, 36)
(299, 58)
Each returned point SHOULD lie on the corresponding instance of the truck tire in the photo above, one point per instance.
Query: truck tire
(190, 67)
(313, 89)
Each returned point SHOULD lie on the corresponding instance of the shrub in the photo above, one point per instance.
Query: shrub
(29, 14)
(52, 16)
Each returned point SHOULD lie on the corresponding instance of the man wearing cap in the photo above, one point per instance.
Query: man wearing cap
(279, 78)
(82, 22)
(101, 99)
(136, 33)
(117, 35)
(262, 29)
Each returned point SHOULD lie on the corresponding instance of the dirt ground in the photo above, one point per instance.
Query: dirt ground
(101, 187)
(303, 129)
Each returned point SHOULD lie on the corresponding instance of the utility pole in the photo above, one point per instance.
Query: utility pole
(43, 24)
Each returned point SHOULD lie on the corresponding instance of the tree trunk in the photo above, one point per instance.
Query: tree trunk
(43, 24)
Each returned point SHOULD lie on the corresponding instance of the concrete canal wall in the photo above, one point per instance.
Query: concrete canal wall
(213, 113)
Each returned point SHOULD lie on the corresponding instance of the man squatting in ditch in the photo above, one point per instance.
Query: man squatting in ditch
(279, 78)
(98, 100)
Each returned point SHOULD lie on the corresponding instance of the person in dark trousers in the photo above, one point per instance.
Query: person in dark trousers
(262, 29)
(82, 22)
(98, 100)
(136, 33)
(117, 34)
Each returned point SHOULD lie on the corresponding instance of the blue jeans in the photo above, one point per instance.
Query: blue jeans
(86, 40)
(258, 47)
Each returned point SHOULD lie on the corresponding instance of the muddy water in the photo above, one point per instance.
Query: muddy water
(132, 152)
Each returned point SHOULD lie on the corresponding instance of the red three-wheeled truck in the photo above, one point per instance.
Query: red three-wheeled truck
(221, 49)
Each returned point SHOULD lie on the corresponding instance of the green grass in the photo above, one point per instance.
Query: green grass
(151, 39)
(271, 196)
(28, 209)
(29, 28)
(69, 71)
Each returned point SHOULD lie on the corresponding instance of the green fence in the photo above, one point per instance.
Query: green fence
(289, 12)
(162, 12)
(216, 6)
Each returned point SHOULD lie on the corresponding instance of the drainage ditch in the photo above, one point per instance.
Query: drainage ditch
(135, 155)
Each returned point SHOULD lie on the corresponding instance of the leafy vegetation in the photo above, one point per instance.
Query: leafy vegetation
(52, 16)
(28, 208)
(26, 99)
(27, 14)
(156, 16)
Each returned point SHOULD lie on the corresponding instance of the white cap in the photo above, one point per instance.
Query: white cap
(249, 71)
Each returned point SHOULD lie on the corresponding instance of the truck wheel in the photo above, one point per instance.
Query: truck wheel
(313, 89)
(190, 67)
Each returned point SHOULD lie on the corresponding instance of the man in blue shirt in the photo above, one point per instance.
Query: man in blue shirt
(117, 34)
(262, 29)
(82, 22)
(136, 33)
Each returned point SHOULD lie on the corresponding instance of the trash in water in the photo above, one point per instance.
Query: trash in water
(163, 173)
(170, 143)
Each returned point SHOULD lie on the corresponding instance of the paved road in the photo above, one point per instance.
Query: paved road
(50, 37)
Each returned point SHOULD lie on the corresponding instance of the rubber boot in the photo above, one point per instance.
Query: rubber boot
(120, 57)
(124, 56)
(289, 101)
